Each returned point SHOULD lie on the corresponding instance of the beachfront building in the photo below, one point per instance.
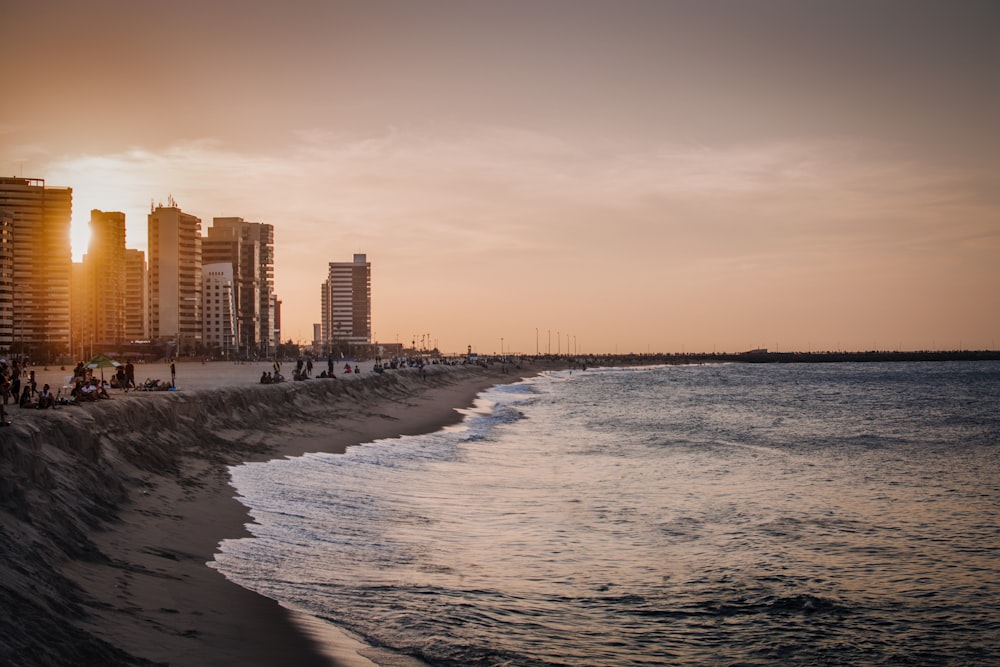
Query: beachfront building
(136, 286)
(6, 282)
(249, 248)
(175, 278)
(218, 312)
(346, 302)
(39, 217)
(104, 271)
(275, 318)
(81, 337)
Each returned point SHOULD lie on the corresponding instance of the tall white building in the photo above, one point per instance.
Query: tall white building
(346, 302)
(249, 247)
(218, 312)
(175, 277)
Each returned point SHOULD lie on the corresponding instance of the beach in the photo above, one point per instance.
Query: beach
(112, 510)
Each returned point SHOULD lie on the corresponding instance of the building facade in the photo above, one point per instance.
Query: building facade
(249, 247)
(39, 217)
(346, 303)
(104, 268)
(218, 310)
(6, 282)
(136, 289)
(175, 278)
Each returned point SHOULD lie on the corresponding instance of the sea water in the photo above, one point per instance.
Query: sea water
(735, 514)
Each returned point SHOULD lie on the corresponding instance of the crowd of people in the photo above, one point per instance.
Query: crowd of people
(17, 380)
(18, 386)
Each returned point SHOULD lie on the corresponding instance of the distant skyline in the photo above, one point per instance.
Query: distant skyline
(637, 175)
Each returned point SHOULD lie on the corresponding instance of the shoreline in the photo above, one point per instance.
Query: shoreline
(133, 580)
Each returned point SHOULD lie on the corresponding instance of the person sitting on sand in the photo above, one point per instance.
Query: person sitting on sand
(25, 400)
(94, 391)
(77, 393)
(87, 391)
(264, 379)
(45, 398)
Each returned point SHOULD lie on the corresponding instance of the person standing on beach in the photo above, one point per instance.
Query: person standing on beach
(173, 374)
(129, 374)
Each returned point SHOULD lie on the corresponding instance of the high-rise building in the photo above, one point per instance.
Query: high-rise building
(218, 313)
(249, 247)
(81, 335)
(276, 319)
(6, 281)
(136, 289)
(42, 259)
(347, 304)
(104, 267)
(175, 277)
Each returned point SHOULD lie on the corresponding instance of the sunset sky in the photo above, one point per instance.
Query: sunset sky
(625, 175)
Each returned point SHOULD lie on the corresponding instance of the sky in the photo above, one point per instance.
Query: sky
(550, 175)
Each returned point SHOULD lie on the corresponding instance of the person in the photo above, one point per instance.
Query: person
(120, 378)
(78, 394)
(173, 374)
(97, 390)
(5, 388)
(264, 379)
(329, 366)
(46, 399)
(129, 374)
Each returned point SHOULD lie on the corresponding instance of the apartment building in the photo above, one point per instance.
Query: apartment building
(136, 289)
(175, 277)
(104, 268)
(218, 313)
(249, 247)
(346, 304)
(39, 217)
(6, 282)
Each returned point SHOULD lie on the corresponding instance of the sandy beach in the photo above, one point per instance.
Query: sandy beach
(112, 510)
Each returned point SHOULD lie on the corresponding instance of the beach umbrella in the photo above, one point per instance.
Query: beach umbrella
(102, 361)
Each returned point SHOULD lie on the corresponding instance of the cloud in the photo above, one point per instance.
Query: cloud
(745, 220)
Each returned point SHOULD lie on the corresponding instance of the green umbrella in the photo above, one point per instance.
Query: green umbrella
(102, 361)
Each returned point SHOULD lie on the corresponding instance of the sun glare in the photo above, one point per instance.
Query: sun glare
(79, 237)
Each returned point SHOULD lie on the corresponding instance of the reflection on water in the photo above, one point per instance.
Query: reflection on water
(841, 514)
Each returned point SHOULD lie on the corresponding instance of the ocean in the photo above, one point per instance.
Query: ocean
(731, 514)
